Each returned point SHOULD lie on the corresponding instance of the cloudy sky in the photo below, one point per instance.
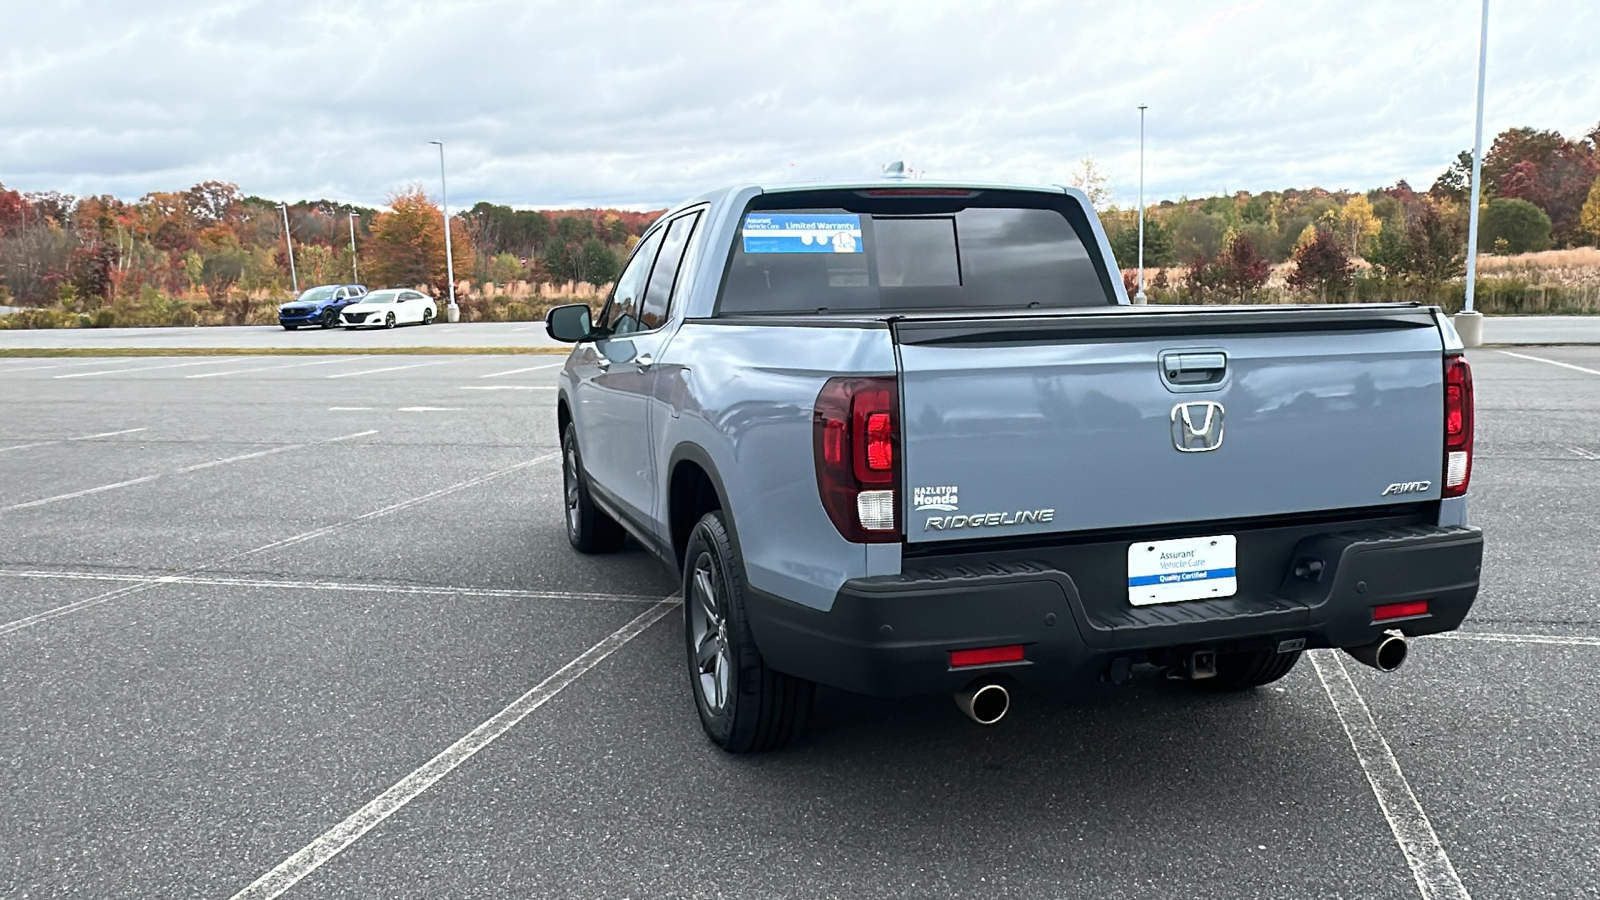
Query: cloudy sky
(588, 102)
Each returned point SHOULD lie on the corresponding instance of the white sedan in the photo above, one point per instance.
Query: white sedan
(388, 308)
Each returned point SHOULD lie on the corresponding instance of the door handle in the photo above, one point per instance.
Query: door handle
(602, 362)
(1194, 370)
(645, 361)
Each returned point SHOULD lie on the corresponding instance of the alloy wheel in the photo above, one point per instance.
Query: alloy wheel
(708, 629)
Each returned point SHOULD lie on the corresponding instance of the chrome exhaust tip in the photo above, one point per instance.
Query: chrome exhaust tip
(985, 704)
(1385, 654)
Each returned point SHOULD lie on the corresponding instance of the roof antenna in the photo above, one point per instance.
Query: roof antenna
(897, 170)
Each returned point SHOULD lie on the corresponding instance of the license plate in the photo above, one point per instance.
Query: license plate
(1185, 569)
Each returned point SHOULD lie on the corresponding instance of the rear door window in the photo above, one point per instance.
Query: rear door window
(621, 314)
(658, 295)
(993, 250)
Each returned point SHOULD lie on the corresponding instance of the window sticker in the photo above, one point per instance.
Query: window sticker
(802, 233)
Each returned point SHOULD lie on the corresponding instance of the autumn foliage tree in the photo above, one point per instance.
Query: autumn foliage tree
(1321, 265)
(406, 247)
(1238, 272)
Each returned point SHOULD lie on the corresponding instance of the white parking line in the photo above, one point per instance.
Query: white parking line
(1430, 865)
(76, 494)
(520, 371)
(389, 369)
(268, 452)
(320, 362)
(194, 468)
(203, 362)
(70, 608)
(1518, 638)
(1585, 454)
(427, 590)
(288, 873)
(85, 437)
(1552, 362)
(90, 437)
(508, 387)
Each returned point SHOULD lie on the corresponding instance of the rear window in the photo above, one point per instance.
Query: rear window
(987, 249)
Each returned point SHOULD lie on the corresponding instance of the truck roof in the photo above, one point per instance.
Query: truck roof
(868, 184)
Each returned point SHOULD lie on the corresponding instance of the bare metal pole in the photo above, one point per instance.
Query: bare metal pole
(295, 278)
(355, 274)
(454, 313)
(1477, 163)
(1139, 297)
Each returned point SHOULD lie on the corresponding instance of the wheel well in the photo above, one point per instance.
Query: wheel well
(691, 495)
(563, 416)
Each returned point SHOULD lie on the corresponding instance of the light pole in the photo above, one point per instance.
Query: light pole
(1469, 323)
(294, 277)
(355, 274)
(1140, 297)
(453, 312)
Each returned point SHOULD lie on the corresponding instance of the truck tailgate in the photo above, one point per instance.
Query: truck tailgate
(1014, 426)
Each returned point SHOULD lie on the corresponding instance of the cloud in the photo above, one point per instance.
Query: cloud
(557, 104)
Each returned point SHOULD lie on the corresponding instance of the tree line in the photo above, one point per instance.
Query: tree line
(1540, 190)
(214, 242)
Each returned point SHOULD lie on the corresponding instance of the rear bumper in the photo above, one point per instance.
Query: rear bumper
(892, 635)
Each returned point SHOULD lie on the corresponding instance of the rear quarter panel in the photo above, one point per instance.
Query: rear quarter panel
(745, 395)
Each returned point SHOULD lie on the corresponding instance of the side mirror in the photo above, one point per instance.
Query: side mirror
(570, 323)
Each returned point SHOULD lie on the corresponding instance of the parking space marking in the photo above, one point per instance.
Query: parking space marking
(319, 362)
(203, 362)
(1518, 638)
(389, 369)
(1584, 453)
(309, 858)
(83, 493)
(315, 533)
(357, 587)
(186, 469)
(84, 437)
(520, 371)
(1431, 867)
(1553, 362)
(271, 450)
(508, 387)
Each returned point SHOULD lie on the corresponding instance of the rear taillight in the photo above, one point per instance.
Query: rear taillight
(856, 435)
(1457, 426)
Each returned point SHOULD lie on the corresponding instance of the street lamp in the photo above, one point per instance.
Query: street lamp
(287, 240)
(354, 273)
(453, 312)
(1469, 323)
(1140, 297)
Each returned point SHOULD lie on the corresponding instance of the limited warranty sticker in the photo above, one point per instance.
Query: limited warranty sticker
(1184, 569)
(802, 233)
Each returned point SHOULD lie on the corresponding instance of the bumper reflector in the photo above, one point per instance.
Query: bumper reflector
(984, 656)
(1399, 610)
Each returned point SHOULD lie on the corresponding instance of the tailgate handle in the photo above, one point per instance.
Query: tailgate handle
(1188, 369)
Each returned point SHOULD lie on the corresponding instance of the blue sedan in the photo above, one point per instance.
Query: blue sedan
(319, 306)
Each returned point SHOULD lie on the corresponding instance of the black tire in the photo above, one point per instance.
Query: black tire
(1249, 669)
(589, 529)
(330, 319)
(750, 708)
(388, 320)
(290, 327)
(427, 317)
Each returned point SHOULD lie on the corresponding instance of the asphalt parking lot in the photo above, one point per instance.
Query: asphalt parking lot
(310, 627)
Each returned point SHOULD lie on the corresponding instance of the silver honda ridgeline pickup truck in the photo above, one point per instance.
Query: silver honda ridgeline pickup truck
(904, 437)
